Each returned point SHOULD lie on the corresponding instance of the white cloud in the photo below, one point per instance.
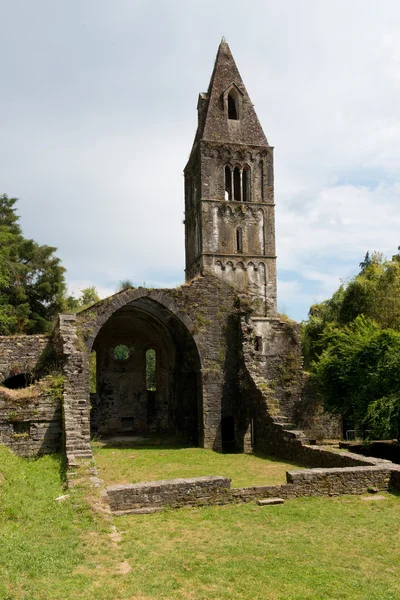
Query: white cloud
(95, 133)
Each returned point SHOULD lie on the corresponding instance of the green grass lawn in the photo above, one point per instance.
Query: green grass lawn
(149, 463)
(344, 548)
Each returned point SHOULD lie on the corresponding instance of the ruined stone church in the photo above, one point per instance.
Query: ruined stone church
(227, 367)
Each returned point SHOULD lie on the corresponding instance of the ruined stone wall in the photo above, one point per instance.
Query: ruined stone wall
(213, 309)
(20, 354)
(272, 359)
(76, 397)
(213, 490)
(174, 493)
(274, 383)
(207, 311)
(384, 449)
(310, 416)
(31, 418)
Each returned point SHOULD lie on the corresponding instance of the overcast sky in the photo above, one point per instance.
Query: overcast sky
(98, 113)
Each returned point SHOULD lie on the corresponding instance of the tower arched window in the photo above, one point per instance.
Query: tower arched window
(151, 370)
(237, 183)
(233, 106)
(228, 183)
(239, 240)
(237, 195)
(246, 184)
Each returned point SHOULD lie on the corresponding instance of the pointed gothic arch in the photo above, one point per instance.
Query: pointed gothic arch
(233, 102)
(123, 403)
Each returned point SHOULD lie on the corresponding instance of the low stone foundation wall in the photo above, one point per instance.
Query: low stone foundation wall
(335, 482)
(386, 449)
(315, 457)
(200, 491)
(173, 492)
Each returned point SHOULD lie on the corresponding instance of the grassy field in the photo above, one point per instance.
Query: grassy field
(149, 463)
(307, 549)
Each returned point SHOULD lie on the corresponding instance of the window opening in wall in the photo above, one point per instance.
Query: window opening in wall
(121, 352)
(258, 343)
(233, 112)
(262, 179)
(236, 184)
(228, 183)
(246, 184)
(239, 239)
(92, 372)
(228, 434)
(127, 423)
(17, 382)
(21, 427)
(151, 370)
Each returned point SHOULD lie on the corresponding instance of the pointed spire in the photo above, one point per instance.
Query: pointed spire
(215, 124)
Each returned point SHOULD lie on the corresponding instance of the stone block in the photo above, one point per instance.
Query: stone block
(270, 501)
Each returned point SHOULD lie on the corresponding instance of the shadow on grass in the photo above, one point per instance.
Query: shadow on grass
(63, 466)
(283, 461)
(140, 442)
(57, 457)
(167, 442)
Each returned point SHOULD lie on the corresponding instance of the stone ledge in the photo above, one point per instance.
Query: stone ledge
(270, 501)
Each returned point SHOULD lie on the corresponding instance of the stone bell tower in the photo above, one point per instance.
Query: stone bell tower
(229, 191)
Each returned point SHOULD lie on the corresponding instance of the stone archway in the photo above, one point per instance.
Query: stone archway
(179, 355)
(125, 401)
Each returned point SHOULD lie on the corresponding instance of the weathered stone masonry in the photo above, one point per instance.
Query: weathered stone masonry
(228, 368)
(30, 418)
(203, 313)
(216, 490)
(229, 191)
(20, 354)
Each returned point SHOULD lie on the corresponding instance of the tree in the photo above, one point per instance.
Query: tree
(320, 316)
(358, 375)
(88, 297)
(374, 293)
(32, 285)
(351, 344)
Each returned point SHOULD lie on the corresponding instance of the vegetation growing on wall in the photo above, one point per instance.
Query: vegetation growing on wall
(88, 296)
(352, 346)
